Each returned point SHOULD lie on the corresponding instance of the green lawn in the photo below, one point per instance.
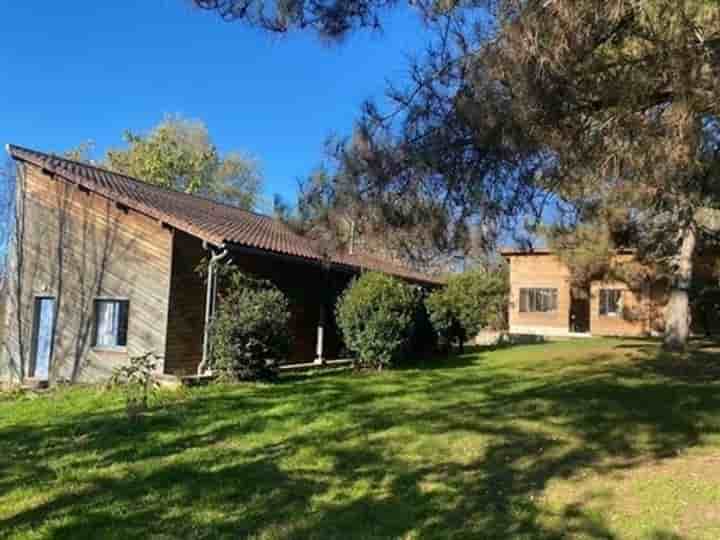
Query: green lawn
(583, 439)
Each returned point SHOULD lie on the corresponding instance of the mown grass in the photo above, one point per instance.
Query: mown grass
(583, 439)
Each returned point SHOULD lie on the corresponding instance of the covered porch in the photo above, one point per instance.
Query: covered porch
(311, 287)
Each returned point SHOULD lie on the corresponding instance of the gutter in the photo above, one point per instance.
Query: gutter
(210, 302)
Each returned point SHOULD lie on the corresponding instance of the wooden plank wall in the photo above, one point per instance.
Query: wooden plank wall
(186, 318)
(635, 319)
(640, 307)
(303, 283)
(78, 246)
(544, 271)
(644, 308)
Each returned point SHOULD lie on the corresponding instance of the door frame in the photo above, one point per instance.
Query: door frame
(37, 302)
(580, 314)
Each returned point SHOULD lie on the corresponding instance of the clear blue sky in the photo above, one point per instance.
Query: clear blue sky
(79, 70)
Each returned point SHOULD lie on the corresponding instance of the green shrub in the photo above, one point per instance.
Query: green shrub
(444, 320)
(468, 303)
(422, 342)
(249, 333)
(375, 315)
(137, 381)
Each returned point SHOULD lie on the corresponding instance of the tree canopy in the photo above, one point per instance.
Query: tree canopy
(586, 105)
(624, 97)
(414, 230)
(179, 154)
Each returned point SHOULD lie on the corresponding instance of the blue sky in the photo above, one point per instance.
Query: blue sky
(73, 71)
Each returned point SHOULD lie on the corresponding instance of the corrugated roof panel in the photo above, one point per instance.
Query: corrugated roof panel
(201, 217)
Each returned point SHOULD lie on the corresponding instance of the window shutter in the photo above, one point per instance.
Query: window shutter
(603, 301)
(123, 326)
(95, 324)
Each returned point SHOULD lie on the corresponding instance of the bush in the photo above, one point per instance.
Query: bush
(444, 320)
(423, 340)
(137, 380)
(249, 333)
(468, 303)
(375, 315)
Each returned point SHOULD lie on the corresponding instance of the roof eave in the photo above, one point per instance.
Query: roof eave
(29, 156)
(136, 206)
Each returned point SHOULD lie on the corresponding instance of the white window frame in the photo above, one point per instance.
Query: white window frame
(618, 308)
(552, 292)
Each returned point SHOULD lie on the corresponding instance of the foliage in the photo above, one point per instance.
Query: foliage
(81, 152)
(443, 317)
(587, 250)
(249, 333)
(604, 93)
(470, 301)
(423, 341)
(337, 217)
(583, 104)
(332, 20)
(179, 154)
(14, 392)
(376, 314)
(593, 250)
(414, 229)
(137, 380)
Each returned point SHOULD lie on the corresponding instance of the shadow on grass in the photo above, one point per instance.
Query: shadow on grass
(700, 364)
(437, 453)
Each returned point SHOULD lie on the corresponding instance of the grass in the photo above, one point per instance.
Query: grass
(597, 439)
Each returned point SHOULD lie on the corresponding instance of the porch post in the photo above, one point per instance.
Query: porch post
(320, 337)
(319, 359)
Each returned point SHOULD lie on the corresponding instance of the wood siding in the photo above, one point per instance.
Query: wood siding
(77, 246)
(634, 319)
(539, 271)
(643, 310)
(186, 320)
(305, 285)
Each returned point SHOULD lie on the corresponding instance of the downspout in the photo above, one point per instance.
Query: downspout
(210, 303)
(352, 237)
(320, 336)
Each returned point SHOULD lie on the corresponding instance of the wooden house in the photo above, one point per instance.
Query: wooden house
(104, 267)
(544, 302)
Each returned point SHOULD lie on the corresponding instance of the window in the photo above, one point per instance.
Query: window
(611, 303)
(538, 300)
(111, 322)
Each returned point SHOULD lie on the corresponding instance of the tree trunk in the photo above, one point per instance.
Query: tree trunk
(677, 316)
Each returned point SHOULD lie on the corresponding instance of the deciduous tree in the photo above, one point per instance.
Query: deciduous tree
(179, 154)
